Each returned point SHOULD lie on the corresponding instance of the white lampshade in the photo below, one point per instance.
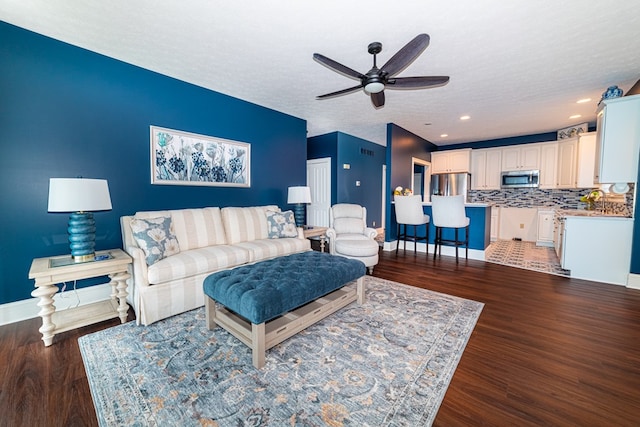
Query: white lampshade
(78, 195)
(299, 194)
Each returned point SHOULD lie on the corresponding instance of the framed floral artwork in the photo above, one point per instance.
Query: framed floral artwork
(183, 158)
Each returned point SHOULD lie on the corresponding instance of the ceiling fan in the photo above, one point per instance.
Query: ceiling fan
(376, 80)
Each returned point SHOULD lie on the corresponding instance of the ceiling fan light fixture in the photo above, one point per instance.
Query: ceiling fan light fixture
(374, 87)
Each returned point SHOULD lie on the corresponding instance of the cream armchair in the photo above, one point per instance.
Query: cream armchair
(349, 235)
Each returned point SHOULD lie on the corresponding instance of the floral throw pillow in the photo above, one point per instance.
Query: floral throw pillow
(155, 237)
(281, 224)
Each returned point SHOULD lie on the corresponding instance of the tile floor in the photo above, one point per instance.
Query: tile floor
(525, 255)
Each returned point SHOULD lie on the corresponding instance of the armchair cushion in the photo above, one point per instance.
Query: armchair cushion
(155, 237)
(357, 247)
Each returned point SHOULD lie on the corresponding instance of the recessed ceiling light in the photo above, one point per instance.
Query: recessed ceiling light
(583, 100)
(575, 116)
(465, 117)
(444, 135)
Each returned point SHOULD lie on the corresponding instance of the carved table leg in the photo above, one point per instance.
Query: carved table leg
(120, 281)
(46, 293)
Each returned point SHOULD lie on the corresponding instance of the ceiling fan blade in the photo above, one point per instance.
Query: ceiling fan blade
(336, 66)
(406, 55)
(417, 82)
(377, 99)
(340, 92)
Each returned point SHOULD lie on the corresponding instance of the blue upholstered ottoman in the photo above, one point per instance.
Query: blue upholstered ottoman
(267, 302)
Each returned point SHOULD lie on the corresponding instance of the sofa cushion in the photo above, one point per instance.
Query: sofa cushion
(246, 224)
(281, 224)
(270, 248)
(196, 261)
(155, 236)
(198, 228)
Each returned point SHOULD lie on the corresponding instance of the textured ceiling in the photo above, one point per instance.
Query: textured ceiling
(517, 67)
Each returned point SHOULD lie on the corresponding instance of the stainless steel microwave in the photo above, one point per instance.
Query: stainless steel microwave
(520, 179)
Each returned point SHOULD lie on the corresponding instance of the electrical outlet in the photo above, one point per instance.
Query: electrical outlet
(374, 223)
(357, 183)
(521, 225)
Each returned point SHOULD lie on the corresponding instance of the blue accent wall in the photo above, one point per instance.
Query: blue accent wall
(402, 145)
(365, 159)
(68, 112)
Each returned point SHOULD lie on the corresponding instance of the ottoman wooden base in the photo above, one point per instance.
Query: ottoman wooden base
(265, 335)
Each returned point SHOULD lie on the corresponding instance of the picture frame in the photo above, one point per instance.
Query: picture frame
(184, 158)
(573, 131)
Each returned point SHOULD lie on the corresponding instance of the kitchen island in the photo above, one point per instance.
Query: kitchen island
(479, 230)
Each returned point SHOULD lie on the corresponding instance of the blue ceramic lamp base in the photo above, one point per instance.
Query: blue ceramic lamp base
(82, 236)
(298, 212)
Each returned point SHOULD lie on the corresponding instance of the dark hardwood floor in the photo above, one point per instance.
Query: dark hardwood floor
(546, 351)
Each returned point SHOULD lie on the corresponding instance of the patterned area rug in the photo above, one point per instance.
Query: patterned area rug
(525, 255)
(385, 363)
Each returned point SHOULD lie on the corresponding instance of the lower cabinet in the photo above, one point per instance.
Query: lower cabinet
(545, 228)
(495, 222)
(598, 248)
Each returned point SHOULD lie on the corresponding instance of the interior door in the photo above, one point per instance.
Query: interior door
(319, 181)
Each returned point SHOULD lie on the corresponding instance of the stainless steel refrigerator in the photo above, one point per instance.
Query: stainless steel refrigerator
(450, 184)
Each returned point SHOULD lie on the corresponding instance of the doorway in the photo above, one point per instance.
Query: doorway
(319, 182)
(421, 178)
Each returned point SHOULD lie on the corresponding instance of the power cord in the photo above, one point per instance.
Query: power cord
(63, 294)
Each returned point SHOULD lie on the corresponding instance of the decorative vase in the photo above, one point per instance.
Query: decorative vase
(611, 92)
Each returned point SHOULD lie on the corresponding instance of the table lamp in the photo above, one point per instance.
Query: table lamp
(299, 196)
(81, 197)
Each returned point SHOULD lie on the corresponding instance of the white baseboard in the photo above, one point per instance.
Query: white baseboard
(28, 308)
(633, 281)
(446, 250)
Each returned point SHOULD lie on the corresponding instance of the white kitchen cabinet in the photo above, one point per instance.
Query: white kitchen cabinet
(598, 248)
(495, 223)
(567, 161)
(451, 161)
(618, 140)
(548, 164)
(521, 157)
(486, 168)
(545, 227)
(586, 160)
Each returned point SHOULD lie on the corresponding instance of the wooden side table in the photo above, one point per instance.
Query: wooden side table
(314, 231)
(50, 271)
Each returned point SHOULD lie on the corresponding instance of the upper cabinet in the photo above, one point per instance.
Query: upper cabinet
(548, 164)
(586, 160)
(618, 140)
(451, 161)
(567, 163)
(486, 168)
(521, 157)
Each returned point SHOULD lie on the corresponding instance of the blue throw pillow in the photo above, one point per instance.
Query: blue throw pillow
(156, 237)
(281, 224)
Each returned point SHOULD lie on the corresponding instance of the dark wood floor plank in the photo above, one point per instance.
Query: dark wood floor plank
(547, 350)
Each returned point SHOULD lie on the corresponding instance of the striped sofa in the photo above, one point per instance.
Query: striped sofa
(210, 239)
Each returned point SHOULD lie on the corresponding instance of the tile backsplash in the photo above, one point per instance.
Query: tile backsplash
(553, 198)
